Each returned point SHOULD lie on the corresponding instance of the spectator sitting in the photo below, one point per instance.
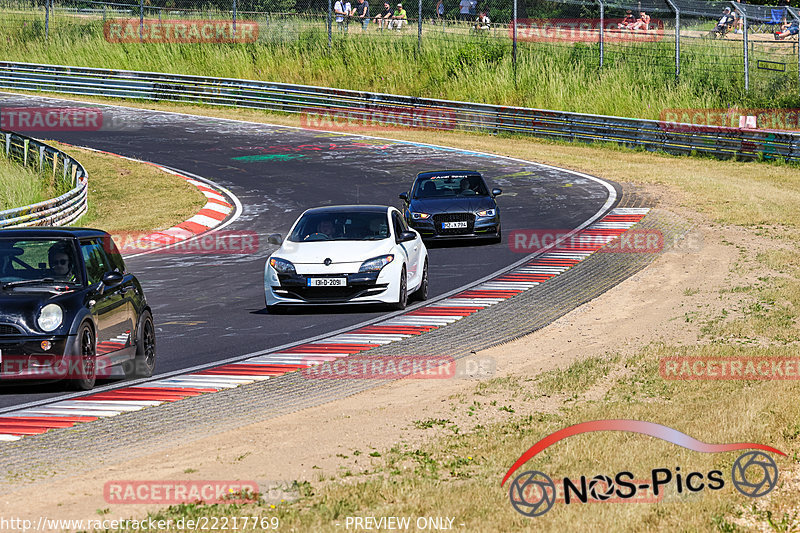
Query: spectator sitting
(399, 17)
(627, 21)
(483, 22)
(790, 29)
(642, 23)
(384, 18)
(725, 22)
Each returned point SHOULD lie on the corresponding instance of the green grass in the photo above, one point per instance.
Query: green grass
(637, 79)
(21, 185)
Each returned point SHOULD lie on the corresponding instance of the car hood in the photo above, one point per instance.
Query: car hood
(337, 251)
(452, 204)
(21, 306)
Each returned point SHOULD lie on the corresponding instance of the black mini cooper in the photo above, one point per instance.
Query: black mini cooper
(69, 309)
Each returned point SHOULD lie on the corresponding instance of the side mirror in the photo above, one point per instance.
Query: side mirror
(407, 236)
(112, 278)
(404, 196)
(497, 192)
(275, 238)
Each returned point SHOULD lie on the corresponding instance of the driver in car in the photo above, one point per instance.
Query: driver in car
(324, 227)
(60, 263)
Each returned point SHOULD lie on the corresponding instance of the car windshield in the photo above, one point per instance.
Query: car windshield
(26, 261)
(333, 226)
(455, 185)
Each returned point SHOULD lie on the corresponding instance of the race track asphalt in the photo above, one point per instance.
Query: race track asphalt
(209, 307)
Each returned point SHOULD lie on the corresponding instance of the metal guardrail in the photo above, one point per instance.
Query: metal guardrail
(54, 212)
(325, 107)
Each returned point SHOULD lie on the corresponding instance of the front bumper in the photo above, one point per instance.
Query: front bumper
(25, 358)
(484, 227)
(365, 288)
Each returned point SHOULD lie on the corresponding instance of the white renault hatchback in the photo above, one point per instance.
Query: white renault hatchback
(347, 254)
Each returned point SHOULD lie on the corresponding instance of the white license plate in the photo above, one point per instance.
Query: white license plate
(454, 225)
(327, 282)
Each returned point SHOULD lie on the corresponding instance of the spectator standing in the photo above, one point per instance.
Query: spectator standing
(362, 12)
(464, 7)
(473, 6)
(342, 10)
(399, 17)
(440, 12)
(738, 21)
(384, 18)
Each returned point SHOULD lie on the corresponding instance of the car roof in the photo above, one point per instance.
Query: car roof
(349, 208)
(51, 232)
(454, 173)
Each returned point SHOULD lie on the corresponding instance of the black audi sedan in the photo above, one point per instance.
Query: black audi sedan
(69, 309)
(452, 204)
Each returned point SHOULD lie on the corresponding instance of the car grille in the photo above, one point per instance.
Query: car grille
(332, 294)
(454, 217)
(6, 329)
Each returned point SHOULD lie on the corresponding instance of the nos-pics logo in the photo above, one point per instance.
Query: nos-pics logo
(533, 493)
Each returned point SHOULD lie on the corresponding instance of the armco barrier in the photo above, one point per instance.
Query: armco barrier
(55, 212)
(394, 110)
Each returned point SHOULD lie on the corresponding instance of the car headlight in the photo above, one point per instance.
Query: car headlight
(487, 213)
(282, 266)
(420, 216)
(50, 317)
(376, 264)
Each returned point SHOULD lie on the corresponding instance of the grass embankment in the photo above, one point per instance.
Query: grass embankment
(457, 471)
(637, 79)
(129, 196)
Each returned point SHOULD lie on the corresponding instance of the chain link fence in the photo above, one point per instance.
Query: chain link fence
(663, 39)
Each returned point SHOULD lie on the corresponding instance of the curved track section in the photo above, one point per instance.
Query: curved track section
(209, 307)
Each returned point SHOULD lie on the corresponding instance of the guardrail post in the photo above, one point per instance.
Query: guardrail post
(514, 46)
(25, 145)
(41, 158)
(8, 144)
(677, 38)
(47, 18)
(141, 20)
(330, 26)
(746, 56)
(793, 13)
(602, 29)
(419, 26)
(234, 19)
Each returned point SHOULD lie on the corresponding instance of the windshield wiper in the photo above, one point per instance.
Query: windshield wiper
(20, 283)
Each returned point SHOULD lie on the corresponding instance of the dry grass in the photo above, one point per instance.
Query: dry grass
(129, 196)
(457, 474)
